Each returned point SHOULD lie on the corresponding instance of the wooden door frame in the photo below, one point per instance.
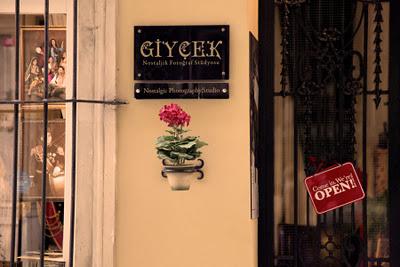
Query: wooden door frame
(266, 182)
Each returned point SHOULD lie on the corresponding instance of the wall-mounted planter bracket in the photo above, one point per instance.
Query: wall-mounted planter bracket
(190, 168)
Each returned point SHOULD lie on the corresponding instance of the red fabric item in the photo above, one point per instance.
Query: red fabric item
(54, 224)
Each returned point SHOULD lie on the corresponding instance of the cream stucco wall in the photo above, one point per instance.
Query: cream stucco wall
(209, 225)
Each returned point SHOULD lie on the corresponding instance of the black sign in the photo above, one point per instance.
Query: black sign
(182, 90)
(181, 52)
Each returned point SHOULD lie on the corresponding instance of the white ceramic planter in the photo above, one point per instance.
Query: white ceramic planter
(180, 181)
(180, 176)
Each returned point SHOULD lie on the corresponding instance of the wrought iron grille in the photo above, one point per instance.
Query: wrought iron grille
(18, 101)
(333, 78)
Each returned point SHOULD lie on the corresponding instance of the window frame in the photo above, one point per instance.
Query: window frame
(95, 212)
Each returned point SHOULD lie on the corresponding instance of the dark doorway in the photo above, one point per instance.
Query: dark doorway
(329, 95)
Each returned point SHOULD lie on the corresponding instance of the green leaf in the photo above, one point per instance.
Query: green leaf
(188, 144)
(162, 155)
(200, 143)
(182, 155)
(189, 138)
(164, 145)
(177, 149)
(166, 138)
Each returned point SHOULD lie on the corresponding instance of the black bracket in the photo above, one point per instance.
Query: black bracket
(169, 168)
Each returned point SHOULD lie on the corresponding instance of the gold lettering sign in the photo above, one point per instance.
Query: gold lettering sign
(185, 48)
(181, 52)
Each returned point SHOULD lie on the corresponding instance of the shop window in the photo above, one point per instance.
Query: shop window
(38, 133)
(26, 124)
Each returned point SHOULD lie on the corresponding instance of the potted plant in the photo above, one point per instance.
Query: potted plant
(177, 151)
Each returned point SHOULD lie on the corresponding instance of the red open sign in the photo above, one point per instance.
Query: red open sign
(334, 188)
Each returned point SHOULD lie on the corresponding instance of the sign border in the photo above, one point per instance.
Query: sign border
(218, 96)
(227, 59)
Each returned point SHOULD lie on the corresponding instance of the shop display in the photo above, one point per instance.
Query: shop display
(33, 69)
(31, 159)
(55, 156)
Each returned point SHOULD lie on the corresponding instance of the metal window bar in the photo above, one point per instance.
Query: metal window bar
(17, 102)
(45, 130)
(364, 131)
(16, 129)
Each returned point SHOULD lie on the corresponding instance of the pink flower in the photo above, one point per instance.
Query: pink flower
(174, 115)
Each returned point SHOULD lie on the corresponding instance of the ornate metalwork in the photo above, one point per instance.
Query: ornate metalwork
(189, 169)
(378, 50)
(324, 74)
(285, 6)
(308, 90)
(290, 2)
(284, 51)
(330, 247)
(352, 250)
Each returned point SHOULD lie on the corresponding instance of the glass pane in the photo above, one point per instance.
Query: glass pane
(30, 183)
(30, 139)
(7, 56)
(7, 91)
(32, 54)
(6, 174)
(377, 165)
